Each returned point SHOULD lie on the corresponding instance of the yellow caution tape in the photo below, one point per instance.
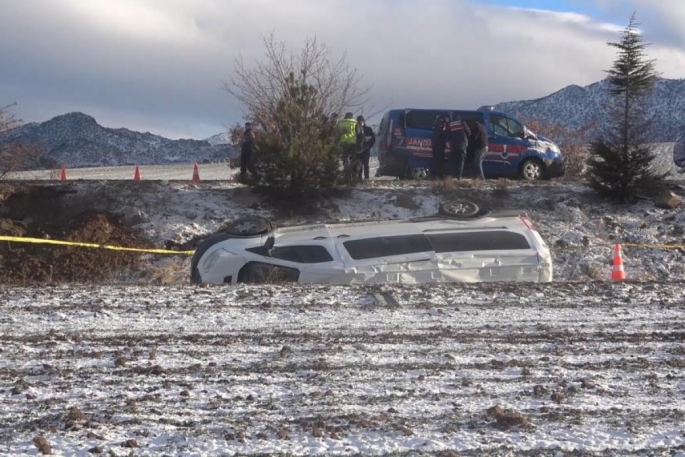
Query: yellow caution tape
(611, 245)
(653, 246)
(18, 239)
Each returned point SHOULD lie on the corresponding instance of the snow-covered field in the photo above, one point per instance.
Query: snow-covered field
(562, 369)
(574, 368)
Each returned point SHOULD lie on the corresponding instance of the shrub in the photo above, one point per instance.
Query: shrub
(293, 101)
(16, 155)
(574, 144)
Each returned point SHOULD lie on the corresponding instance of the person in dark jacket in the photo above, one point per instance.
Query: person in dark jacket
(246, 149)
(367, 140)
(479, 143)
(439, 143)
(459, 134)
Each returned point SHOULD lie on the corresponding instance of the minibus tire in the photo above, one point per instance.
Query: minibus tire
(249, 226)
(459, 209)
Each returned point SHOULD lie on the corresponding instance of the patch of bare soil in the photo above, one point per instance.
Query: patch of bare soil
(37, 212)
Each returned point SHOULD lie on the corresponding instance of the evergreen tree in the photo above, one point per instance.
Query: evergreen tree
(299, 154)
(621, 162)
(293, 101)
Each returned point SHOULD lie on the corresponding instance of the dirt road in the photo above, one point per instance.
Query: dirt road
(559, 369)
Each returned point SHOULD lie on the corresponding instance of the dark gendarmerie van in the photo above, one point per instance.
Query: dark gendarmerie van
(405, 151)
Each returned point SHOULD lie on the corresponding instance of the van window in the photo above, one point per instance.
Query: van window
(385, 246)
(470, 116)
(505, 126)
(264, 273)
(297, 254)
(478, 241)
(385, 123)
(421, 119)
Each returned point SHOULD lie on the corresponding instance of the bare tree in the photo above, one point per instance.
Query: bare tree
(295, 99)
(262, 87)
(15, 155)
(574, 144)
(7, 120)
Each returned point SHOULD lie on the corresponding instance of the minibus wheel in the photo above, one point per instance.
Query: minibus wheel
(459, 209)
(249, 226)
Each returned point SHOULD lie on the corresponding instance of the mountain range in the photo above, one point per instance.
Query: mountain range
(575, 107)
(77, 140)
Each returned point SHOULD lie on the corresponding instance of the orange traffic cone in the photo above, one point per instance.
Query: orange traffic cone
(63, 176)
(196, 173)
(136, 175)
(618, 273)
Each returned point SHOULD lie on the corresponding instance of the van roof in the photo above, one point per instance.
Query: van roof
(480, 110)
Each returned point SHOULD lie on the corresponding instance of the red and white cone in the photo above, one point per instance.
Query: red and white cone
(196, 174)
(618, 273)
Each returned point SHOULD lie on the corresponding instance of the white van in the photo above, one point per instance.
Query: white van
(461, 244)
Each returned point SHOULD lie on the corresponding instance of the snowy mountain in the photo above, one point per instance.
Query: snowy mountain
(576, 106)
(220, 138)
(77, 140)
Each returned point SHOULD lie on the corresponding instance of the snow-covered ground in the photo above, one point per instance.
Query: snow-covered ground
(579, 228)
(575, 367)
(593, 369)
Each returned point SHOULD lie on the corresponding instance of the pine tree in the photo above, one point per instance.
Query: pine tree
(299, 155)
(621, 162)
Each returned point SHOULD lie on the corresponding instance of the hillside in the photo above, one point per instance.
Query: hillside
(575, 107)
(77, 140)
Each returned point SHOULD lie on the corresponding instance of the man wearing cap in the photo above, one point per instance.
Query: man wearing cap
(365, 139)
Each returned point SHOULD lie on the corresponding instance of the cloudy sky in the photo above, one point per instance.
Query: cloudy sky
(159, 65)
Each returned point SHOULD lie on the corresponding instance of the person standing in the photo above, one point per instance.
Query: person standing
(246, 149)
(459, 133)
(368, 139)
(439, 143)
(479, 143)
(348, 137)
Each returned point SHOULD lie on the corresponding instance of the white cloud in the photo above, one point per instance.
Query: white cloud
(159, 64)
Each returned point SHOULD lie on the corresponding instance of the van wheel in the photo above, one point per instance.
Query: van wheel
(420, 173)
(459, 209)
(532, 170)
(249, 226)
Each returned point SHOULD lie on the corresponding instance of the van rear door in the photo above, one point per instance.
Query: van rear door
(418, 131)
(485, 255)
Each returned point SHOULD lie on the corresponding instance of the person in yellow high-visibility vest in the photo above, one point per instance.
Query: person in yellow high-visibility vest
(348, 136)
